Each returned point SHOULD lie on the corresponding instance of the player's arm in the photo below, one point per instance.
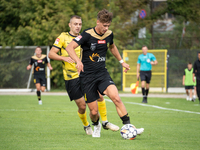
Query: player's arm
(117, 55)
(53, 54)
(183, 79)
(194, 70)
(155, 62)
(49, 65)
(29, 67)
(71, 51)
(138, 70)
(30, 64)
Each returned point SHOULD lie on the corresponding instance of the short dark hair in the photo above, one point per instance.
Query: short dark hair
(198, 52)
(74, 16)
(38, 47)
(189, 63)
(144, 46)
(104, 16)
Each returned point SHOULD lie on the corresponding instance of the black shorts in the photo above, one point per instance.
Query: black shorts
(40, 79)
(145, 76)
(189, 87)
(73, 89)
(91, 85)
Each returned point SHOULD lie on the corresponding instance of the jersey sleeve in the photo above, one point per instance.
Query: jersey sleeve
(184, 72)
(46, 60)
(59, 42)
(31, 61)
(153, 58)
(112, 36)
(82, 38)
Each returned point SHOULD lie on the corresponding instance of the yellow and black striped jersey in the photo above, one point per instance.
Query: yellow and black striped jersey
(69, 69)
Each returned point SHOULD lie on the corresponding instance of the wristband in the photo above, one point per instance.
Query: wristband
(121, 61)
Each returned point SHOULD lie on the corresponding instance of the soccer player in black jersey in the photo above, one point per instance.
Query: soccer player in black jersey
(39, 60)
(94, 77)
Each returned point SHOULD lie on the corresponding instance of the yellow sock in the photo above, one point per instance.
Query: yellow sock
(83, 118)
(102, 110)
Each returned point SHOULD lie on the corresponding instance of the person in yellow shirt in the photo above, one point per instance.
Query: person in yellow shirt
(71, 75)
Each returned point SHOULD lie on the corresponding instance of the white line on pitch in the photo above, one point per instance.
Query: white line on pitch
(158, 107)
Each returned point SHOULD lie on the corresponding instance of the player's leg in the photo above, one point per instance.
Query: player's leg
(74, 92)
(198, 89)
(38, 87)
(148, 79)
(187, 93)
(94, 115)
(194, 94)
(143, 83)
(190, 93)
(103, 113)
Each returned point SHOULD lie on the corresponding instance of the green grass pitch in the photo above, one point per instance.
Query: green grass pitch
(170, 123)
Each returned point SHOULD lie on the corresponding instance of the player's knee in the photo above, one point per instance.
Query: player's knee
(116, 99)
(94, 112)
(42, 90)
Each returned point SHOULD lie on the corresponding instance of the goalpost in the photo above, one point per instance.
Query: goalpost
(13, 73)
(159, 71)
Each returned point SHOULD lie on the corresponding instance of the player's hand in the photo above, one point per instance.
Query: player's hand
(79, 66)
(125, 65)
(138, 75)
(183, 83)
(193, 79)
(28, 67)
(50, 68)
(68, 59)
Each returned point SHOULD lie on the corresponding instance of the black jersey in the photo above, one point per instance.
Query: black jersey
(196, 69)
(39, 64)
(94, 47)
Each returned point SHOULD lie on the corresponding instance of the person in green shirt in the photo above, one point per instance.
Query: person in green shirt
(189, 83)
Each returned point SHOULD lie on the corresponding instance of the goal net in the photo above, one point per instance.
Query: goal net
(13, 74)
(159, 71)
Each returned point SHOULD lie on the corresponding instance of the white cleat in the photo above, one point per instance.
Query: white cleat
(97, 130)
(140, 131)
(88, 130)
(40, 102)
(110, 126)
(187, 98)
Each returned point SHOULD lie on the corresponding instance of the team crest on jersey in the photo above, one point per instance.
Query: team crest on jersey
(93, 46)
(78, 38)
(57, 41)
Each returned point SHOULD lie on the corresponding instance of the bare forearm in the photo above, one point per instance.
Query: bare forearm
(55, 56)
(115, 52)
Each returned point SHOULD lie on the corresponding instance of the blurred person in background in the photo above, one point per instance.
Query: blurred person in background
(39, 60)
(196, 70)
(188, 82)
(144, 66)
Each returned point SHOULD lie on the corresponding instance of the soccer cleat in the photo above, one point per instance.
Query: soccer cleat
(188, 98)
(110, 126)
(140, 131)
(144, 100)
(88, 130)
(97, 130)
(40, 102)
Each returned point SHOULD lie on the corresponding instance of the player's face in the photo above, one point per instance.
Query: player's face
(199, 56)
(144, 50)
(189, 66)
(102, 27)
(38, 51)
(75, 26)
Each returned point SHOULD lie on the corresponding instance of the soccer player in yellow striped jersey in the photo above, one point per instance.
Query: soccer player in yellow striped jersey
(71, 75)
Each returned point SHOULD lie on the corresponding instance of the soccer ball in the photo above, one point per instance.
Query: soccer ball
(128, 132)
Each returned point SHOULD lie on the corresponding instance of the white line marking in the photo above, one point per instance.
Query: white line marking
(158, 107)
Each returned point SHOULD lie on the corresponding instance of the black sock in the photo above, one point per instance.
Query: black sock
(38, 95)
(95, 123)
(125, 119)
(147, 92)
(143, 92)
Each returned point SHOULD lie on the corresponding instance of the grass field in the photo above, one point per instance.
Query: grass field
(55, 125)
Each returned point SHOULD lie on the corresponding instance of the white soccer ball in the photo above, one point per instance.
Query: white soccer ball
(128, 132)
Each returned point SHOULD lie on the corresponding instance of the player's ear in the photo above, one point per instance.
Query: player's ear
(98, 22)
(69, 25)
